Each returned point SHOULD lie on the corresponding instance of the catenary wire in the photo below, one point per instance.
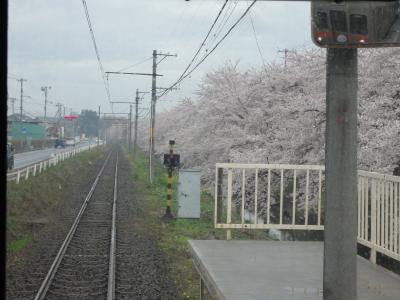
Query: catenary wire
(96, 49)
(205, 39)
(136, 64)
(256, 39)
(211, 51)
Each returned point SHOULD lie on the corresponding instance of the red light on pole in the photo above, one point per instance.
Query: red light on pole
(70, 117)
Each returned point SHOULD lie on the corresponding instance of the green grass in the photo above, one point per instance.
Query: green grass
(37, 197)
(173, 235)
(17, 245)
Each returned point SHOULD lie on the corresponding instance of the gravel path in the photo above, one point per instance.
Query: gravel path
(141, 268)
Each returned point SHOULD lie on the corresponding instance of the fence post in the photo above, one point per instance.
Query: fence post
(220, 173)
(229, 205)
(18, 176)
(372, 256)
(44, 165)
(40, 167)
(27, 173)
(34, 170)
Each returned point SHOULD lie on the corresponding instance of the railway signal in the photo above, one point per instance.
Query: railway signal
(171, 161)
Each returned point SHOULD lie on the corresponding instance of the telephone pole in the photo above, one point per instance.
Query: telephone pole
(12, 104)
(21, 80)
(286, 51)
(98, 128)
(130, 127)
(136, 123)
(45, 90)
(153, 102)
(153, 108)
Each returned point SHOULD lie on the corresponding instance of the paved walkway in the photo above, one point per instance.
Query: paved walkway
(272, 270)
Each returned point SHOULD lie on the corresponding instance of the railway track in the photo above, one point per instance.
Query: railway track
(84, 267)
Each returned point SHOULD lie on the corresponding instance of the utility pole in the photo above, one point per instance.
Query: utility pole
(152, 115)
(59, 113)
(153, 109)
(130, 127)
(59, 117)
(153, 102)
(286, 51)
(21, 80)
(12, 104)
(136, 123)
(340, 233)
(98, 128)
(45, 90)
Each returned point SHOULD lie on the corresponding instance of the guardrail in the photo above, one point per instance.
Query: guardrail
(273, 196)
(40, 166)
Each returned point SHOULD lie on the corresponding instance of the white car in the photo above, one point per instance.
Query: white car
(70, 142)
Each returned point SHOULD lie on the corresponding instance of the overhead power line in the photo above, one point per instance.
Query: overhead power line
(96, 49)
(136, 64)
(256, 39)
(205, 39)
(181, 78)
(224, 21)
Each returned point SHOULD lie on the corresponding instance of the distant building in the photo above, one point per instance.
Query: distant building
(25, 128)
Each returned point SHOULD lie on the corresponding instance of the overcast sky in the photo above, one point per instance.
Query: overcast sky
(50, 45)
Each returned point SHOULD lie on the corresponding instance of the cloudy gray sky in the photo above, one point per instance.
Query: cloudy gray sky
(50, 45)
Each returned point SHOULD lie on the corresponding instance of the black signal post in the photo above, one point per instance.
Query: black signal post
(171, 161)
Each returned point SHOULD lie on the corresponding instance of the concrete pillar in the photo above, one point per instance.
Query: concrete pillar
(340, 247)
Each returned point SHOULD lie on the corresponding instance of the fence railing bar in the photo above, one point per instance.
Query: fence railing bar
(379, 213)
(229, 204)
(281, 200)
(216, 196)
(386, 244)
(359, 203)
(243, 192)
(373, 220)
(365, 190)
(319, 196)
(294, 198)
(362, 209)
(307, 188)
(391, 218)
(256, 198)
(269, 197)
(396, 217)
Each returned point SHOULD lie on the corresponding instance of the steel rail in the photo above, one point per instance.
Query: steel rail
(112, 264)
(56, 263)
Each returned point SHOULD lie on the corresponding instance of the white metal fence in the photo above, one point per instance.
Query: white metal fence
(40, 166)
(272, 196)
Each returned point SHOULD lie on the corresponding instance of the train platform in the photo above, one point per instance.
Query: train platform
(271, 270)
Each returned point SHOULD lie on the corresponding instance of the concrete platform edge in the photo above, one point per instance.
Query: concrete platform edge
(212, 287)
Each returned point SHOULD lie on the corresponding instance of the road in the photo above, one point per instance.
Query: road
(27, 158)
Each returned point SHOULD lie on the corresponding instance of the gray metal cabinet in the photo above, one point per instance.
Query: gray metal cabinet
(189, 193)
